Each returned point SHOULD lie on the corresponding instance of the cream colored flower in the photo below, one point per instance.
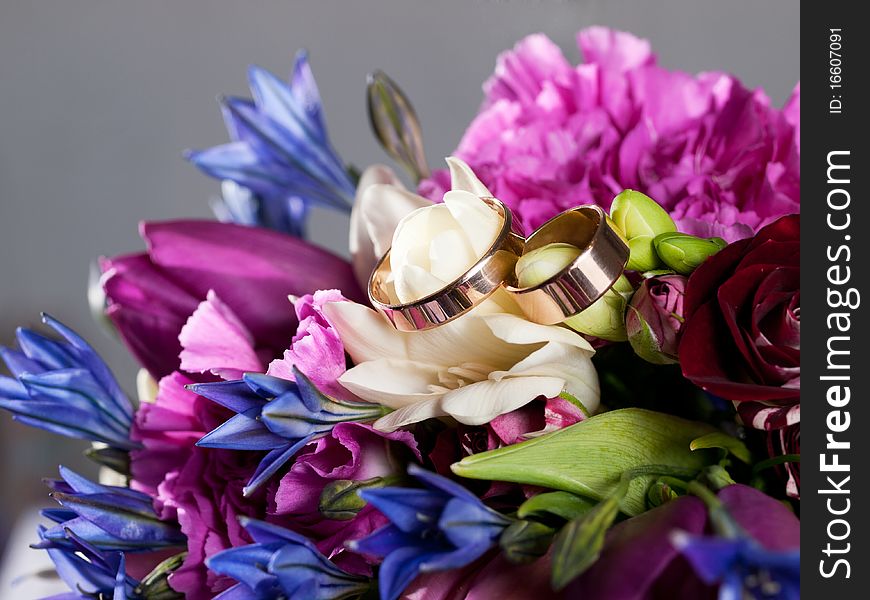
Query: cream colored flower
(485, 363)
(473, 369)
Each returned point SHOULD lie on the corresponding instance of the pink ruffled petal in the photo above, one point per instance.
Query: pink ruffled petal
(214, 340)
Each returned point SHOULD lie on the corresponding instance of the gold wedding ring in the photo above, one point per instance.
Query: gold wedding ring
(486, 276)
(602, 260)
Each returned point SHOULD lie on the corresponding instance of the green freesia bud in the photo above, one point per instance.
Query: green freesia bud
(683, 252)
(605, 318)
(339, 499)
(637, 214)
(395, 124)
(525, 541)
(537, 266)
(642, 254)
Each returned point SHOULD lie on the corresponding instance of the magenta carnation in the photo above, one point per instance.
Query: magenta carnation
(352, 452)
(551, 135)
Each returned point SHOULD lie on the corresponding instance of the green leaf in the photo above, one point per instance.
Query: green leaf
(578, 545)
(717, 439)
(588, 458)
(564, 505)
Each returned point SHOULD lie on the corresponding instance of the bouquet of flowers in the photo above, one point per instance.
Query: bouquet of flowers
(566, 366)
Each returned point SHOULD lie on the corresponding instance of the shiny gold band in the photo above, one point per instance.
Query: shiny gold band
(475, 285)
(604, 254)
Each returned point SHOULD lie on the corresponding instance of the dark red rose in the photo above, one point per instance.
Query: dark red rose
(741, 339)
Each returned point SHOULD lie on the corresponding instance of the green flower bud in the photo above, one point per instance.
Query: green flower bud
(660, 492)
(683, 252)
(637, 214)
(605, 318)
(525, 541)
(155, 585)
(340, 501)
(642, 254)
(112, 458)
(396, 125)
(537, 266)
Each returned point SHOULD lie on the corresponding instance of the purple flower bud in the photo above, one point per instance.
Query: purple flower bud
(654, 318)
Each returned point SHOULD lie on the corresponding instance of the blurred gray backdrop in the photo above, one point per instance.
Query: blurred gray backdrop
(98, 99)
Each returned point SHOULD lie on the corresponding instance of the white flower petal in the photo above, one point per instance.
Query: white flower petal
(450, 255)
(361, 245)
(366, 334)
(463, 178)
(480, 223)
(415, 231)
(414, 413)
(481, 402)
(383, 207)
(467, 339)
(517, 330)
(412, 283)
(392, 383)
(569, 363)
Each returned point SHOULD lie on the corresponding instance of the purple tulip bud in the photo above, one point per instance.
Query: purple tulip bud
(654, 318)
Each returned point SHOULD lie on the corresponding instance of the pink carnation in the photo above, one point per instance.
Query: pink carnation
(316, 350)
(551, 136)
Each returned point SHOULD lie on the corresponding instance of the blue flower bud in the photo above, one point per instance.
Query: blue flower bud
(278, 416)
(283, 564)
(63, 386)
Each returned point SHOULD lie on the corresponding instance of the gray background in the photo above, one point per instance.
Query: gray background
(98, 99)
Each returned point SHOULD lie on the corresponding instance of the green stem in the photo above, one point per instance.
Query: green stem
(774, 461)
(722, 521)
(674, 483)
(703, 492)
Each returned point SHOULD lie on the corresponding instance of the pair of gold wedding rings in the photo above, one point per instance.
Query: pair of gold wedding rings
(603, 256)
